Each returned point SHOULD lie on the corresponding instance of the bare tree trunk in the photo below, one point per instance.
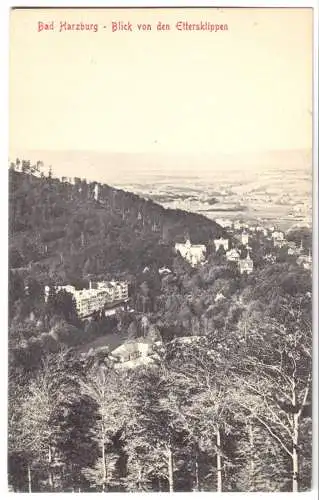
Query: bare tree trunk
(219, 462)
(104, 466)
(170, 470)
(251, 461)
(51, 482)
(29, 479)
(139, 481)
(295, 442)
(295, 456)
(196, 488)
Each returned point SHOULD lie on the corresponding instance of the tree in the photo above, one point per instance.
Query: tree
(132, 330)
(104, 386)
(274, 386)
(51, 387)
(259, 462)
(63, 304)
(156, 430)
(76, 421)
(18, 455)
(25, 166)
(205, 365)
(16, 291)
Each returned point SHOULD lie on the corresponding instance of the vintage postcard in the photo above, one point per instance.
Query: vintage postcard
(160, 325)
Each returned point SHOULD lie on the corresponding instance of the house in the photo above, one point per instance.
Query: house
(194, 254)
(279, 243)
(132, 354)
(219, 296)
(292, 245)
(238, 225)
(305, 261)
(221, 243)
(164, 271)
(244, 238)
(233, 255)
(246, 265)
(278, 235)
(294, 249)
(124, 352)
(96, 192)
(278, 238)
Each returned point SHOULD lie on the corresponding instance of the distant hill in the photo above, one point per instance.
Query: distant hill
(65, 231)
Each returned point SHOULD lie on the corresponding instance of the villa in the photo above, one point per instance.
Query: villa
(194, 254)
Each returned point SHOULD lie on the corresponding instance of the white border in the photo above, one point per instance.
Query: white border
(167, 3)
(4, 59)
(4, 56)
(315, 277)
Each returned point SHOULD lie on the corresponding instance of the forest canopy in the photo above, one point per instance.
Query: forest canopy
(226, 403)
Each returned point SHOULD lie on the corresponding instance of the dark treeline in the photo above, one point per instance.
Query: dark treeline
(60, 230)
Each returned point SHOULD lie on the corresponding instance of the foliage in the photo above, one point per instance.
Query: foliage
(226, 403)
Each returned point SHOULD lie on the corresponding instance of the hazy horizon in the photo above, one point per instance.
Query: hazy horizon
(121, 167)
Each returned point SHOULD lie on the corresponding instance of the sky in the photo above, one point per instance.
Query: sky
(247, 89)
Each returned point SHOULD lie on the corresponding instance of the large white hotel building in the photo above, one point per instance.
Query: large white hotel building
(96, 297)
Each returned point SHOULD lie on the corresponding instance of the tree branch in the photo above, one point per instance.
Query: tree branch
(277, 419)
(271, 432)
(305, 397)
(284, 447)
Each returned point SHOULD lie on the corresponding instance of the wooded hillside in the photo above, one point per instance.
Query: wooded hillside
(60, 231)
(227, 404)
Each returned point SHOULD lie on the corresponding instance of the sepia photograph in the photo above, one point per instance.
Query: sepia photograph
(160, 284)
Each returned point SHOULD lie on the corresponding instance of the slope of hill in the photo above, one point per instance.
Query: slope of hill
(62, 231)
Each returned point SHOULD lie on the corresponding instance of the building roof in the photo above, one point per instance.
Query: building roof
(248, 258)
(292, 244)
(110, 341)
(187, 340)
(131, 346)
(163, 270)
(233, 251)
(189, 244)
(304, 258)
